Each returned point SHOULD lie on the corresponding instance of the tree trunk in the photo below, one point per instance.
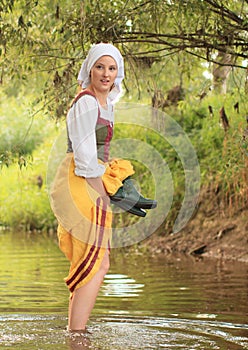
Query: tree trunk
(221, 72)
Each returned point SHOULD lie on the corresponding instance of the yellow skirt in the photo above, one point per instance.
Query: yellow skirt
(84, 220)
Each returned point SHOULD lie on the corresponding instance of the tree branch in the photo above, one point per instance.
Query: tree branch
(221, 9)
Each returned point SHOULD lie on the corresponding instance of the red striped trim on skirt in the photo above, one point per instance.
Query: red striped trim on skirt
(94, 251)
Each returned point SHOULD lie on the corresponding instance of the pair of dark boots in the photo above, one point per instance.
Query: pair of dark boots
(129, 199)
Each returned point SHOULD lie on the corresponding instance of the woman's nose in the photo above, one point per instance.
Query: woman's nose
(105, 73)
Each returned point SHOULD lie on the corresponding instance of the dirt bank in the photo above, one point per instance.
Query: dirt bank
(215, 231)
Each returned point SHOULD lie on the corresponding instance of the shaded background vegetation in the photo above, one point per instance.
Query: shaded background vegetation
(188, 58)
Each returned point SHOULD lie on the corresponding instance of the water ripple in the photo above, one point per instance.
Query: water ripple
(122, 333)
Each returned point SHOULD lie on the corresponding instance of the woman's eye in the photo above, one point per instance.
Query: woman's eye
(99, 67)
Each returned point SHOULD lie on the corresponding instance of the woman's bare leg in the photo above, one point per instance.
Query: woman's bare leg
(83, 300)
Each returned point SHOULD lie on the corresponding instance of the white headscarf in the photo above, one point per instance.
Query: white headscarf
(97, 51)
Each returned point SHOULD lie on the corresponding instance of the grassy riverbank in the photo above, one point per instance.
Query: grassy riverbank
(222, 152)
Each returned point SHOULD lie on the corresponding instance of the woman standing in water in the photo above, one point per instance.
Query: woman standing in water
(79, 198)
(86, 178)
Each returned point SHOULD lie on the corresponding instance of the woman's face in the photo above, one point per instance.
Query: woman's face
(103, 74)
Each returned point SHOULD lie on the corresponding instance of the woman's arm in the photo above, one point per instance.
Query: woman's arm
(97, 184)
(81, 123)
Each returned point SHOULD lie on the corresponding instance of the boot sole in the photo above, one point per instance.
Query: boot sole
(126, 207)
(139, 205)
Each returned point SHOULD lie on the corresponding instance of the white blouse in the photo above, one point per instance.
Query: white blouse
(81, 123)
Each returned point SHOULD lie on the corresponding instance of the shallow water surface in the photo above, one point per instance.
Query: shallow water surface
(144, 303)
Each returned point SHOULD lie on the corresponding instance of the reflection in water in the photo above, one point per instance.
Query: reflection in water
(144, 303)
(117, 285)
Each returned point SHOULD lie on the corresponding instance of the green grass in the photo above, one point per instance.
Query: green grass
(24, 203)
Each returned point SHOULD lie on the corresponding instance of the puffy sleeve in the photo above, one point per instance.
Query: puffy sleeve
(81, 124)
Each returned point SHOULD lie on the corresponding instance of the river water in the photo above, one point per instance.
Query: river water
(145, 302)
